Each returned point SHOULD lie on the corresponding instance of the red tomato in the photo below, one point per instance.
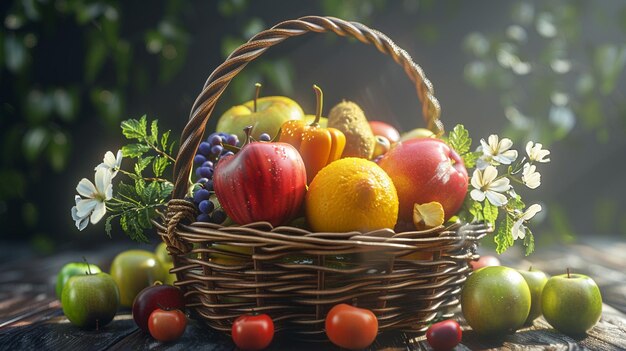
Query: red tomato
(252, 333)
(167, 325)
(351, 327)
(444, 335)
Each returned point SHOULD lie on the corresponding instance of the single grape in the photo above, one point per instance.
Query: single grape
(206, 206)
(208, 164)
(216, 149)
(209, 185)
(215, 140)
(202, 181)
(203, 217)
(265, 137)
(200, 195)
(232, 140)
(199, 159)
(228, 153)
(204, 148)
(219, 216)
(204, 172)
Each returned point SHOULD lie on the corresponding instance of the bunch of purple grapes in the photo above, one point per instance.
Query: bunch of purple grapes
(209, 153)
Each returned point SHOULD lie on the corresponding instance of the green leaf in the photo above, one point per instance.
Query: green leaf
(142, 163)
(459, 139)
(140, 185)
(529, 242)
(151, 193)
(154, 132)
(107, 225)
(135, 129)
(503, 237)
(469, 159)
(475, 208)
(134, 150)
(490, 212)
(166, 190)
(164, 139)
(516, 203)
(159, 165)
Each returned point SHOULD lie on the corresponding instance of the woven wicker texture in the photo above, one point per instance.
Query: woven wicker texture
(296, 275)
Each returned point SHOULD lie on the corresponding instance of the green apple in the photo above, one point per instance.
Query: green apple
(417, 133)
(266, 115)
(134, 270)
(571, 303)
(495, 300)
(536, 280)
(70, 270)
(90, 300)
(166, 262)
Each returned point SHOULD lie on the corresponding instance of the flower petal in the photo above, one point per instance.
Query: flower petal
(103, 180)
(531, 212)
(495, 198)
(529, 147)
(507, 157)
(118, 159)
(82, 223)
(86, 188)
(477, 195)
(493, 143)
(108, 192)
(486, 150)
(98, 213)
(489, 174)
(504, 145)
(500, 185)
(477, 179)
(518, 230)
(74, 212)
(85, 206)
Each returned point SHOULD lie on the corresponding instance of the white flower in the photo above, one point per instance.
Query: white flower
(536, 153)
(496, 150)
(486, 185)
(530, 176)
(92, 202)
(519, 229)
(81, 222)
(111, 163)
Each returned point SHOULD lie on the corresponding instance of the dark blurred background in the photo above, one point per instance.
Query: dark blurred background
(549, 71)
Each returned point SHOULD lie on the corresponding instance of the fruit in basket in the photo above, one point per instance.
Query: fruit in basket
(134, 270)
(484, 261)
(230, 255)
(444, 335)
(153, 297)
(385, 130)
(571, 303)
(167, 324)
(426, 216)
(351, 194)
(417, 133)
(536, 280)
(265, 115)
(253, 332)
(70, 270)
(350, 120)
(351, 327)
(495, 300)
(264, 181)
(318, 146)
(426, 170)
(90, 300)
(382, 146)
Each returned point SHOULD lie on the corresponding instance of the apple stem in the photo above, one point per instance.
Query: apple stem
(568, 272)
(319, 95)
(88, 267)
(248, 140)
(256, 94)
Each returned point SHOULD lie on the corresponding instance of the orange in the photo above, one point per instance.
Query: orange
(351, 194)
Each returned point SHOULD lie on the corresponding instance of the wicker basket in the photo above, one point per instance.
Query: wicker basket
(295, 275)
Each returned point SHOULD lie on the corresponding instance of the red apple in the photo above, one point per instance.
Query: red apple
(264, 181)
(386, 130)
(484, 261)
(426, 170)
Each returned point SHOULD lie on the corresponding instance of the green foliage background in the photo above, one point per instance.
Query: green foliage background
(71, 70)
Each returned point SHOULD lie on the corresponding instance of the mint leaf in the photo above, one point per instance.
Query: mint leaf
(134, 150)
(154, 132)
(151, 193)
(459, 139)
(469, 159)
(164, 138)
(159, 165)
(135, 129)
(490, 212)
(503, 237)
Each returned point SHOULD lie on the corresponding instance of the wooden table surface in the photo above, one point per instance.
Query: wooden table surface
(31, 318)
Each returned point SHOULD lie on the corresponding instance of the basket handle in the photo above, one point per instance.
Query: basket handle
(257, 45)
